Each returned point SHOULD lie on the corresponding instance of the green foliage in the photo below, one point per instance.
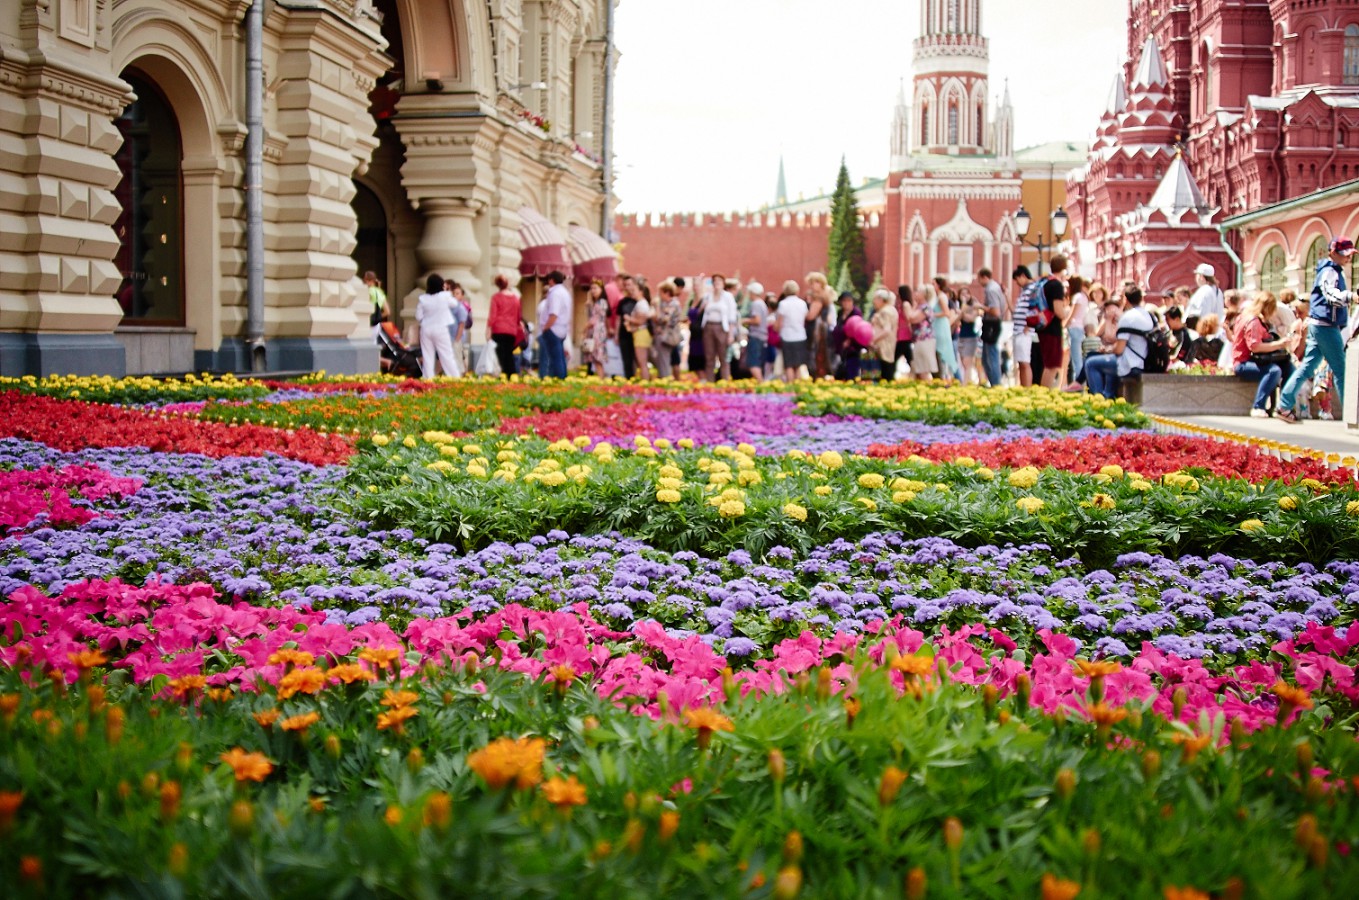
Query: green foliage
(349, 810)
(846, 240)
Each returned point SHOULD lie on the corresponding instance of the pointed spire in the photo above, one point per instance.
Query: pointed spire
(1151, 68)
(1118, 97)
(1005, 101)
(1178, 193)
(781, 191)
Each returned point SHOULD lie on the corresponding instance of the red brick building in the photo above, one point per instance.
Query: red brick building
(1260, 99)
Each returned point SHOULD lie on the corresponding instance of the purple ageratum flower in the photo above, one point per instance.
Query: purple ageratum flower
(740, 646)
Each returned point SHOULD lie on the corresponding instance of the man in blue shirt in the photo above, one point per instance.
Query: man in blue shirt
(1327, 315)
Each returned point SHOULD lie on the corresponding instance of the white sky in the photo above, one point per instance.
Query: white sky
(710, 92)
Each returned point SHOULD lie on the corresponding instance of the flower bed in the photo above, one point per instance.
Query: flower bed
(47, 494)
(135, 389)
(937, 404)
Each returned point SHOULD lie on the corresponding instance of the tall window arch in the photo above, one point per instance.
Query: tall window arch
(1272, 270)
(953, 124)
(952, 26)
(925, 137)
(1314, 254)
(981, 128)
(1352, 54)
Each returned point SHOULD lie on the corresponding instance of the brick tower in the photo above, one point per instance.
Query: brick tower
(951, 60)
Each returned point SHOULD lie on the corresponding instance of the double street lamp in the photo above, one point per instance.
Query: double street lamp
(1059, 223)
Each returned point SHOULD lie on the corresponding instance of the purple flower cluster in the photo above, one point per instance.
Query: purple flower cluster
(274, 531)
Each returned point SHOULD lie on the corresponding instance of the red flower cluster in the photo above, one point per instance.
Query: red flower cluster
(24, 496)
(72, 425)
(1153, 455)
(598, 421)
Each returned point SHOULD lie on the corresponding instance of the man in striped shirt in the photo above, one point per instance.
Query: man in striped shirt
(1024, 335)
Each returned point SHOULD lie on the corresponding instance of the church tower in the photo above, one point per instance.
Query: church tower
(901, 131)
(951, 62)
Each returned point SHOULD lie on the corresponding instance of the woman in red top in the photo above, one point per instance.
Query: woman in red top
(502, 325)
(1258, 355)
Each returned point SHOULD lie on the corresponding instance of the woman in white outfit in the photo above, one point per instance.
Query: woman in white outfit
(434, 312)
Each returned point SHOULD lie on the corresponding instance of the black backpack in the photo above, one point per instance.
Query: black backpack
(1157, 359)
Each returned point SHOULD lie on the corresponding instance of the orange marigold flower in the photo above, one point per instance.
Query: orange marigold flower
(187, 685)
(439, 810)
(248, 766)
(301, 681)
(562, 674)
(30, 868)
(1055, 888)
(267, 718)
(914, 665)
(890, 784)
(349, 673)
(1185, 893)
(382, 657)
(291, 657)
(564, 792)
(220, 695)
(1191, 744)
(506, 760)
(300, 722)
(87, 659)
(398, 699)
(1104, 715)
(397, 718)
(1097, 669)
(393, 816)
(9, 706)
(1288, 695)
(10, 801)
(705, 721)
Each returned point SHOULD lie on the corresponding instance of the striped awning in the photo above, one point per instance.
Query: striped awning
(544, 249)
(591, 256)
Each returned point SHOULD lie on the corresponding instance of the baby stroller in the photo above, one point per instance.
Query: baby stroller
(397, 357)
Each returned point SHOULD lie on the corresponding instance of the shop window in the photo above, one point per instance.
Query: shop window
(1272, 270)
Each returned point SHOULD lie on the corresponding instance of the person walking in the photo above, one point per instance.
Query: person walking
(1075, 324)
(554, 325)
(993, 299)
(376, 296)
(1328, 313)
(502, 324)
(719, 320)
(757, 330)
(905, 334)
(790, 320)
(434, 312)
(626, 303)
(667, 323)
(1050, 332)
(885, 323)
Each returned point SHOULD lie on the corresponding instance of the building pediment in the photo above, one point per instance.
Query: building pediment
(961, 229)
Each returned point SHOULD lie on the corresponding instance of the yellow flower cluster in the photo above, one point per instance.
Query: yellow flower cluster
(1025, 477)
(1186, 483)
(1029, 504)
(912, 399)
(75, 386)
(669, 483)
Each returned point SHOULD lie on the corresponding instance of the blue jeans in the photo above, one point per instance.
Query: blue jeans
(553, 350)
(1325, 342)
(1268, 376)
(1077, 334)
(1101, 374)
(991, 363)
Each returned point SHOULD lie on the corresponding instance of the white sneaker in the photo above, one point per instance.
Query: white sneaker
(1326, 416)
(1258, 413)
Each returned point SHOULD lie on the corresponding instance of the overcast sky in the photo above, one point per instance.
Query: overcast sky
(710, 92)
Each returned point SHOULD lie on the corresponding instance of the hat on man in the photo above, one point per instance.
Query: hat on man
(1343, 246)
(754, 289)
(1206, 270)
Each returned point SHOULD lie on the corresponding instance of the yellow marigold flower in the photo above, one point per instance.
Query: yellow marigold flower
(508, 760)
(705, 721)
(1097, 668)
(647, 452)
(1025, 477)
(554, 479)
(186, 685)
(1103, 501)
(1288, 503)
(867, 503)
(438, 810)
(349, 673)
(822, 490)
(720, 478)
(830, 459)
(672, 484)
(1029, 504)
(903, 496)
(398, 699)
(1054, 888)
(908, 484)
(744, 463)
(1313, 485)
(749, 478)
(307, 680)
(1139, 484)
(1104, 715)
(1185, 893)
(564, 792)
(1112, 471)
(87, 659)
(381, 657)
(380, 440)
(793, 511)
(1191, 744)
(1252, 525)
(965, 461)
(1295, 697)
(722, 450)
(914, 664)
(667, 495)
(1352, 508)
(448, 450)
(442, 465)
(731, 509)
(686, 444)
(890, 785)
(797, 454)
(410, 442)
(669, 471)
(437, 437)
(471, 449)
(985, 474)
(300, 722)
(1187, 483)
(248, 766)
(562, 674)
(476, 470)
(602, 448)
(397, 718)
(581, 440)
(747, 449)
(661, 444)
(871, 480)
(506, 456)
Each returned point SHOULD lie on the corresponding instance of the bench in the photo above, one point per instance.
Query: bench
(1191, 395)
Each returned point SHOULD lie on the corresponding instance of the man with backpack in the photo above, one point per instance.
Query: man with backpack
(1131, 355)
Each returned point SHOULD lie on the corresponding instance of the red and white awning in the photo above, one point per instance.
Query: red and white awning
(544, 249)
(591, 256)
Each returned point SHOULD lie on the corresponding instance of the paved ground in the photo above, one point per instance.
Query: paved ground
(1326, 437)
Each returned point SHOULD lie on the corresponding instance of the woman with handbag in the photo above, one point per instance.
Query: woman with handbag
(1260, 355)
(594, 346)
(668, 333)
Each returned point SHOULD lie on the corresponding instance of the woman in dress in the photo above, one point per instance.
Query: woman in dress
(819, 302)
(924, 361)
(969, 336)
(667, 326)
(434, 312)
(1077, 311)
(698, 360)
(502, 325)
(595, 345)
(943, 332)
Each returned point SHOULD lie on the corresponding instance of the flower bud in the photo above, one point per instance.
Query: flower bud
(1238, 733)
(1305, 830)
(178, 860)
(667, 825)
(729, 692)
(113, 725)
(415, 760)
(150, 784)
(1234, 889)
(1315, 790)
(1151, 764)
(788, 883)
(1065, 785)
(633, 833)
(1023, 687)
(890, 785)
(990, 694)
(438, 810)
(333, 745)
(241, 818)
(823, 682)
(778, 766)
(170, 794)
(1304, 754)
(792, 848)
(915, 884)
(1090, 842)
(953, 833)
(1178, 699)
(1317, 852)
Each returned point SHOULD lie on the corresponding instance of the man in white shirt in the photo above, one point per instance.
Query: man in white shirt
(1207, 300)
(554, 325)
(719, 321)
(1104, 371)
(996, 307)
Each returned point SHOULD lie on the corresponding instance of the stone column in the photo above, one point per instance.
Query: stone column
(57, 209)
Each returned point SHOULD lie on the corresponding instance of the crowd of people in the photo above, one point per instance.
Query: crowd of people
(1059, 331)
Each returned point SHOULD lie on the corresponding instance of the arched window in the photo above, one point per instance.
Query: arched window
(1352, 54)
(1272, 270)
(980, 139)
(952, 27)
(953, 124)
(1314, 254)
(925, 140)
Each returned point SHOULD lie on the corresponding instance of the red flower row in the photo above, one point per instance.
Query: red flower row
(73, 425)
(598, 421)
(1152, 455)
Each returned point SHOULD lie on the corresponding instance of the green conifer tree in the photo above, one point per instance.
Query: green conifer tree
(846, 242)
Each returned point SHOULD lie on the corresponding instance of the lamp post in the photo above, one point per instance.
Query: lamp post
(1059, 223)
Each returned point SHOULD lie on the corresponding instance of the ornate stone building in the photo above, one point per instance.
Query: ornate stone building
(1260, 98)
(401, 136)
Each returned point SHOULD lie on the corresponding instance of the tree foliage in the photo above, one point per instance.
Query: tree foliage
(846, 243)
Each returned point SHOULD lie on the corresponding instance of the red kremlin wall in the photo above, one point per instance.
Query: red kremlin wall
(766, 247)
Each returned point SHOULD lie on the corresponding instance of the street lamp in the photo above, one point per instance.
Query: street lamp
(1059, 223)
